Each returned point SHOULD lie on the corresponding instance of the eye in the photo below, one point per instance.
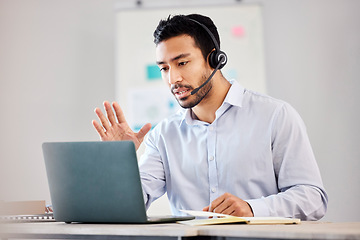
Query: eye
(183, 63)
(163, 69)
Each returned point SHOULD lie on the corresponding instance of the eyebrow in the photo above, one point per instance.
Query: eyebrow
(175, 58)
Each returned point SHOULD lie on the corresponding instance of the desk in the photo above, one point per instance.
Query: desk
(57, 230)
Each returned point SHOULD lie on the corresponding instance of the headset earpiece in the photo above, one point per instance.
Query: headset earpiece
(216, 58)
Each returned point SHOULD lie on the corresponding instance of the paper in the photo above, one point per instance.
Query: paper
(204, 214)
(238, 31)
(149, 105)
(153, 72)
(210, 218)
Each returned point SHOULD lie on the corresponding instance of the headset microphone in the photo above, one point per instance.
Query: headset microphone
(222, 59)
(217, 58)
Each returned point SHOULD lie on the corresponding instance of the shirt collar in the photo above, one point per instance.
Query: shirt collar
(233, 98)
(235, 95)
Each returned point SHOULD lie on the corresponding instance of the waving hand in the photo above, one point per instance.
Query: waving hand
(115, 128)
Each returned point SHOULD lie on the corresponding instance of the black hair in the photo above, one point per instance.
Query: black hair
(178, 25)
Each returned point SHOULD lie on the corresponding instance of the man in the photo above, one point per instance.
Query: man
(230, 150)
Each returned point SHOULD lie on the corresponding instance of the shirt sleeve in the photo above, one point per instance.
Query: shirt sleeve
(301, 192)
(152, 172)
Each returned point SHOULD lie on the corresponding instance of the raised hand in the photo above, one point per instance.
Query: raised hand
(115, 128)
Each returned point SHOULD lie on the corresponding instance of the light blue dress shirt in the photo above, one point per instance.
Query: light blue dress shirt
(256, 149)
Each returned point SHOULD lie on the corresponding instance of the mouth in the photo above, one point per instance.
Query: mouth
(181, 93)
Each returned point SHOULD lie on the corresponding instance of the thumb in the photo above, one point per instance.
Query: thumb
(143, 131)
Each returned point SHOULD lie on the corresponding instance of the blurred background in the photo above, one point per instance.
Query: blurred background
(58, 61)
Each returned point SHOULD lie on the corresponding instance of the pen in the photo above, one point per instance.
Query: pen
(211, 211)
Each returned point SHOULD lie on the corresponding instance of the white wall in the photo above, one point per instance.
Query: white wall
(313, 61)
(57, 64)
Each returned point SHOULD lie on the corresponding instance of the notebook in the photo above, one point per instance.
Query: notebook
(97, 182)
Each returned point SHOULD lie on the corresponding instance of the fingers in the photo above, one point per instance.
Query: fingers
(220, 205)
(230, 205)
(216, 203)
(114, 126)
(99, 129)
(228, 208)
(119, 113)
(206, 209)
(143, 131)
(103, 120)
(109, 113)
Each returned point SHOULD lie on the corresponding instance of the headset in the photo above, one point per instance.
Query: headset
(217, 58)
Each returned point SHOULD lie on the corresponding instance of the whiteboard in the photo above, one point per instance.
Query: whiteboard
(140, 90)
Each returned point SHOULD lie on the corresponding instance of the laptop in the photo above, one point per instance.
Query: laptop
(97, 182)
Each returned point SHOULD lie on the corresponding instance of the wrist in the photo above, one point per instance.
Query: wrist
(251, 210)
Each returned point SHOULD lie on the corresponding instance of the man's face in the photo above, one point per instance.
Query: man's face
(183, 68)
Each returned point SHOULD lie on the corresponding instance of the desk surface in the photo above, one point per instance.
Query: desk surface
(57, 230)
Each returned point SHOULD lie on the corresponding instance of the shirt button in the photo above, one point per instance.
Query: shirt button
(211, 128)
(211, 158)
(213, 190)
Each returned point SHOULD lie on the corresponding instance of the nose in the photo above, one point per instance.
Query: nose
(174, 76)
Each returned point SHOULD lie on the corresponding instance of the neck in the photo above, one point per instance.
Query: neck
(206, 109)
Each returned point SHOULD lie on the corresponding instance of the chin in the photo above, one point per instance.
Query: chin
(193, 100)
(187, 104)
